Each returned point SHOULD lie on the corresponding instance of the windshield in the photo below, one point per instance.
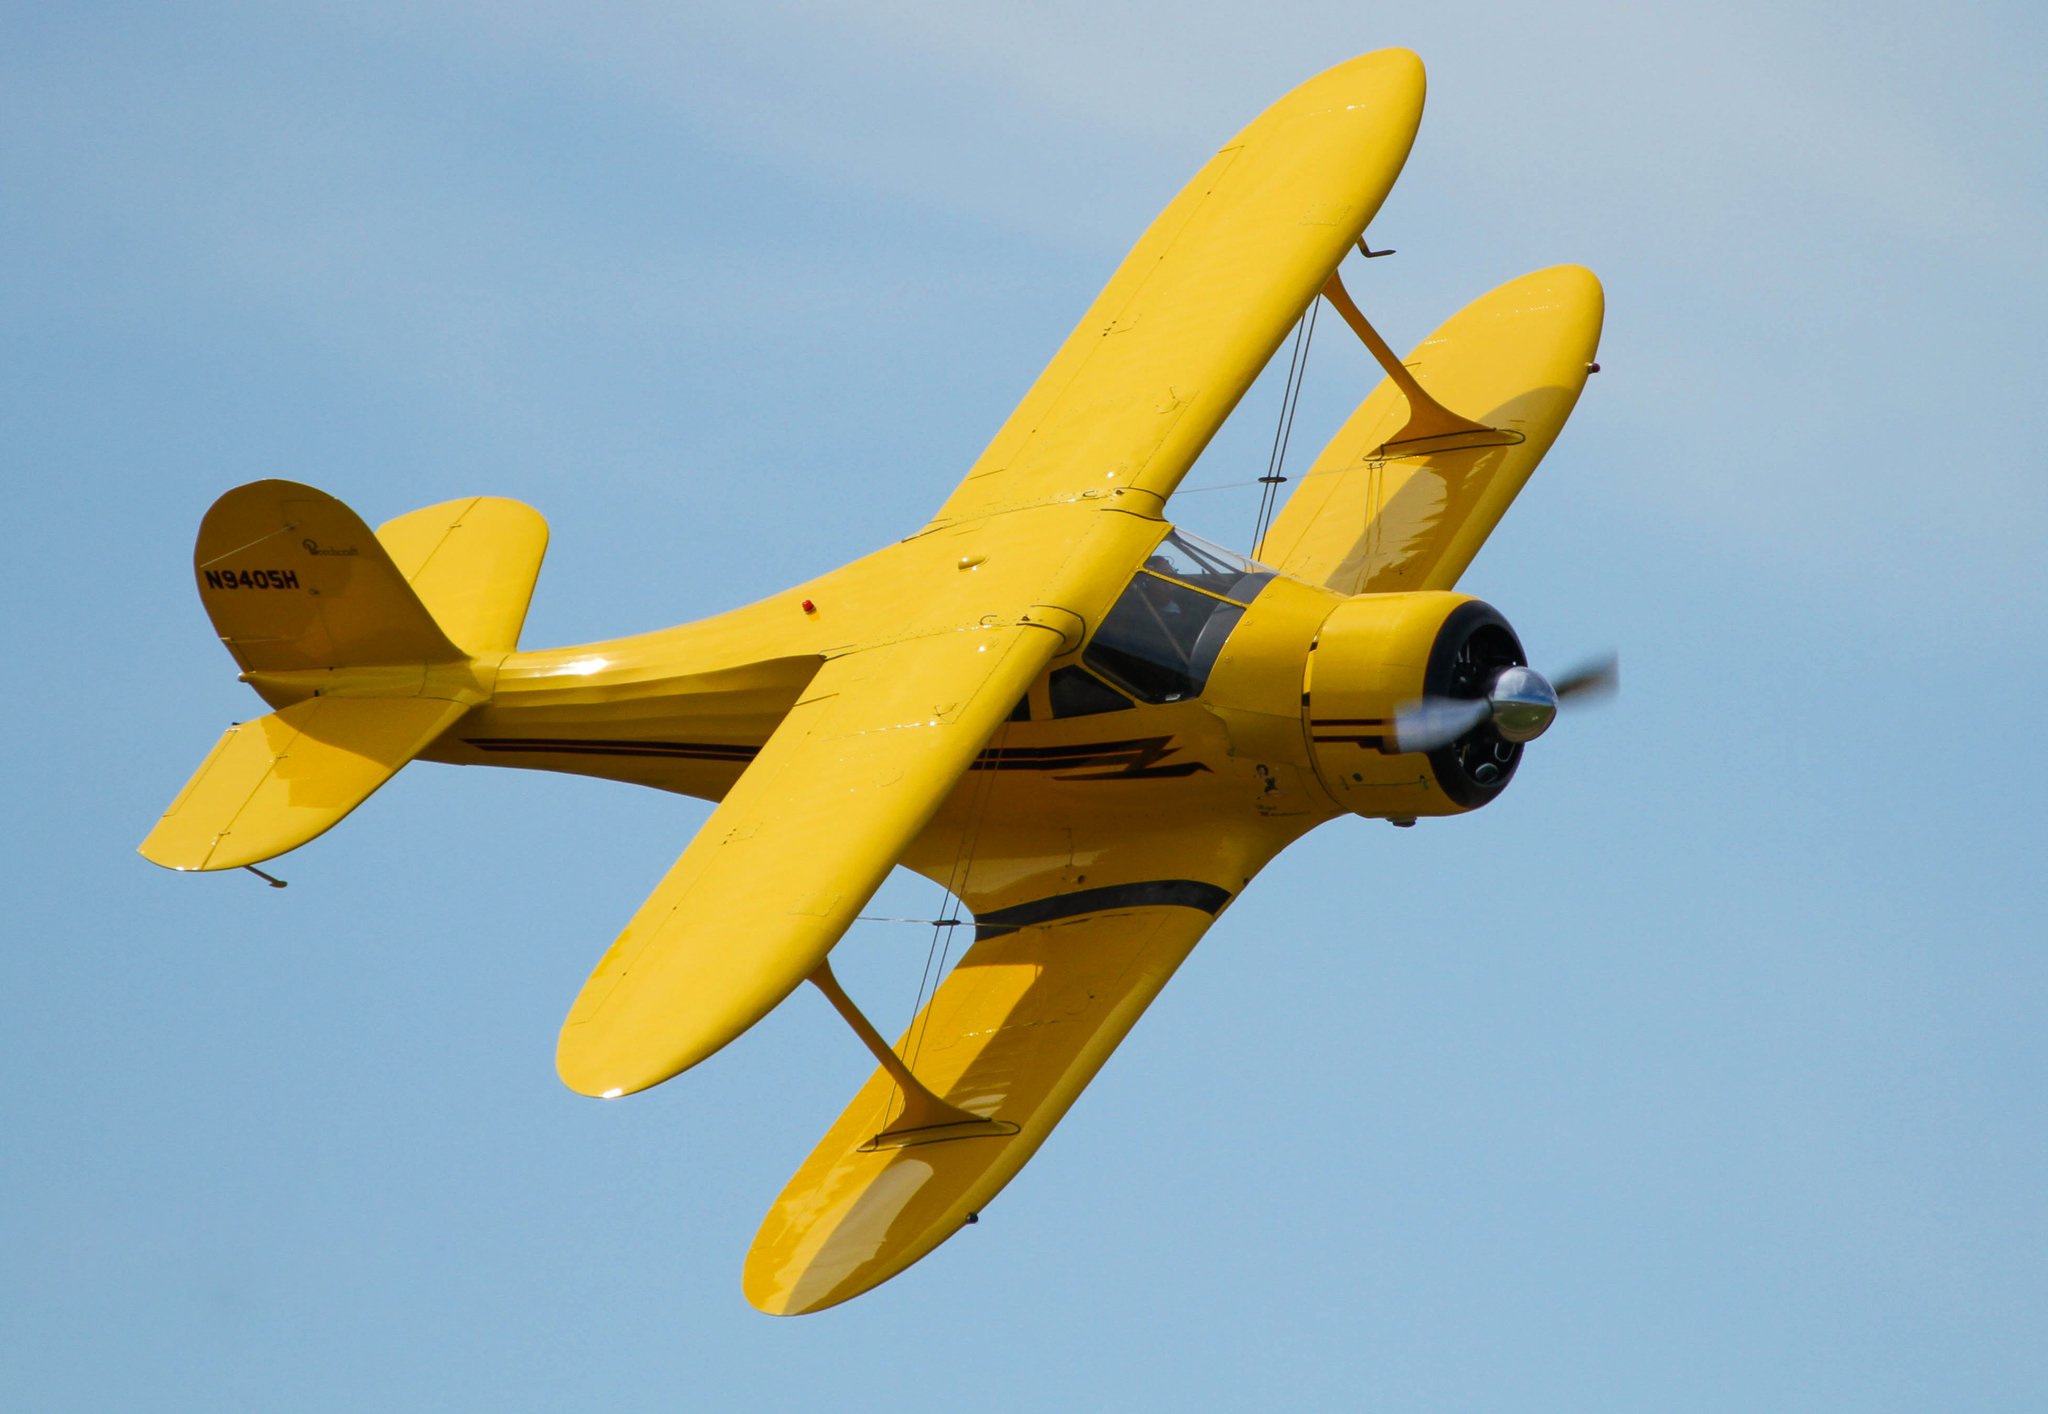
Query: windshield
(1193, 560)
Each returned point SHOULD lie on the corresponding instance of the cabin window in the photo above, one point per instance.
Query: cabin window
(1076, 692)
(1164, 633)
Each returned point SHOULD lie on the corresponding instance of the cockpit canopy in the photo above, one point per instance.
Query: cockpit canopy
(1161, 638)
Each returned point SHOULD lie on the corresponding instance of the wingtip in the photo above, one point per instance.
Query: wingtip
(1392, 70)
(769, 1299)
(609, 1047)
(598, 1076)
(1400, 56)
(1386, 87)
(1571, 273)
(1385, 74)
(1554, 286)
(774, 1294)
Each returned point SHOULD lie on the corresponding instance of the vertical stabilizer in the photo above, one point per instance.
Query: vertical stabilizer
(293, 580)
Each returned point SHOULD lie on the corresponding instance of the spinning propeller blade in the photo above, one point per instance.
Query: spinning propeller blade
(1599, 678)
(1521, 703)
(1437, 721)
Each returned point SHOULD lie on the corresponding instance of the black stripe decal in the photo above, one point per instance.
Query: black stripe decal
(584, 746)
(1140, 759)
(1136, 759)
(1153, 893)
(1369, 741)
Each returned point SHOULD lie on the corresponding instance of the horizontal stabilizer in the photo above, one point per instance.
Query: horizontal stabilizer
(473, 563)
(272, 784)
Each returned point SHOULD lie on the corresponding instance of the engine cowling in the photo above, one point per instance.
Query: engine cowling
(1375, 655)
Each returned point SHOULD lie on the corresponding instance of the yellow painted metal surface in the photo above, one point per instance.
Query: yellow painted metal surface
(1014, 1034)
(1515, 358)
(293, 580)
(473, 564)
(1020, 1026)
(793, 853)
(1256, 687)
(1369, 661)
(1199, 305)
(945, 703)
(273, 784)
(327, 628)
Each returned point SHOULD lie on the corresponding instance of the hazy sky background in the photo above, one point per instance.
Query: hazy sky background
(1704, 1070)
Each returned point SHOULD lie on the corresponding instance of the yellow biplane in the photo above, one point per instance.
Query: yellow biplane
(1090, 727)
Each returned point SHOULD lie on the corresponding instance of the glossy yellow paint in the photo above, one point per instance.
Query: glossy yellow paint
(1019, 1027)
(327, 629)
(1197, 308)
(473, 564)
(1182, 329)
(273, 784)
(935, 704)
(1362, 522)
(777, 874)
(1370, 659)
(295, 582)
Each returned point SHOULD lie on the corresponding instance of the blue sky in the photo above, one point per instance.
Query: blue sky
(1701, 1071)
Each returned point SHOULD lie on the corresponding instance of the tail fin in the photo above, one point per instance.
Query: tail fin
(334, 622)
(294, 580)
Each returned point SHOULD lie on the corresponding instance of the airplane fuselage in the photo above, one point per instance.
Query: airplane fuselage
(687, 709)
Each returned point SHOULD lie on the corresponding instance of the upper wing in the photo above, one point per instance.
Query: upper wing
(794, 851)
(867, 757)
(1514, 358)
(1025, 1021)
(1199, 305)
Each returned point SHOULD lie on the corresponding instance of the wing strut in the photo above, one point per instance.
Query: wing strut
(1431, 426)
(926, 1119)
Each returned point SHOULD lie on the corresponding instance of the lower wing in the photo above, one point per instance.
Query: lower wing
(1367, 519)
(1040, 1001)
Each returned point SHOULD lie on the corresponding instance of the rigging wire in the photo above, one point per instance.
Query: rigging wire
(949, 917)
(963, 862)
(1290, 400)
